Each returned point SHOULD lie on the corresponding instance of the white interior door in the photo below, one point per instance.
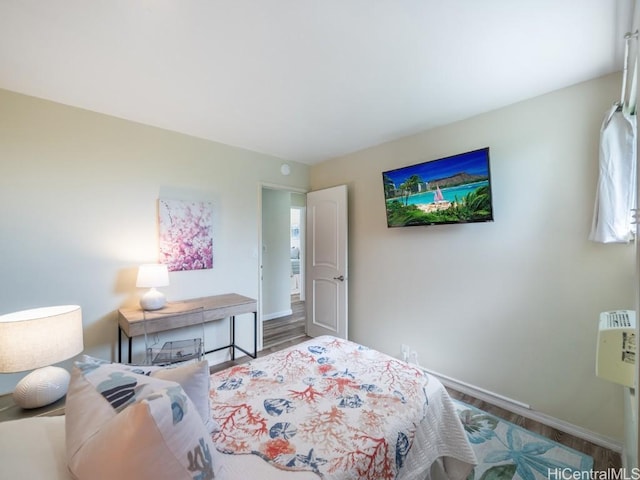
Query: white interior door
(327, 275)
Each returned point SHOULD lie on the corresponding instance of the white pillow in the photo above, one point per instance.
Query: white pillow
(121, 424)
(193, 377)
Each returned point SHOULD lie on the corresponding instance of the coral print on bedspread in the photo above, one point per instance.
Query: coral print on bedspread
(332, 407)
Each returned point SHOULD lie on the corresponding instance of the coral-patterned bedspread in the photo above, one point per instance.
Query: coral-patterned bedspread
(335, 408)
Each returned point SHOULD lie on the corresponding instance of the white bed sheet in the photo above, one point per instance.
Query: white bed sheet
(33, 448)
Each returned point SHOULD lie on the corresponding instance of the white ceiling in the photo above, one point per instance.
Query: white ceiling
(304, 80)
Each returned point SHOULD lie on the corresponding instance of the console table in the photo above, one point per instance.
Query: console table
(134, 322)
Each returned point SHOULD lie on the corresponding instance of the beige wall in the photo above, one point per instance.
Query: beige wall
(510, 306)
(78, 194)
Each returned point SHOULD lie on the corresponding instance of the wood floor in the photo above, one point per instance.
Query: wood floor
(603, 458)
(291, 327)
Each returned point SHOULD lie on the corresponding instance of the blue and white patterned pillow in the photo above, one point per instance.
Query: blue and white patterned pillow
(193, 377)
(122, 424)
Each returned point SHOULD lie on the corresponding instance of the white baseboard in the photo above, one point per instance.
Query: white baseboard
(526, 411)
(271, 316)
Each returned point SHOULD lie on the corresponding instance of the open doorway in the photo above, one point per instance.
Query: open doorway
(282, 263)
(297, 254)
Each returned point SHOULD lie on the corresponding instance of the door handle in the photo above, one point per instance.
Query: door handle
(341, 278)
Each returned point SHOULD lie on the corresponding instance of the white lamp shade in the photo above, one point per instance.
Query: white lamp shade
(36, 338)
(39, 337)
(152, 275)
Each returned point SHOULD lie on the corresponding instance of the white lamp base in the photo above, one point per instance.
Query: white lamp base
(42, 387)
(153, 300)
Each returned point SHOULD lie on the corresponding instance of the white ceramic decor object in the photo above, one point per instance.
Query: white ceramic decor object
(41, 387)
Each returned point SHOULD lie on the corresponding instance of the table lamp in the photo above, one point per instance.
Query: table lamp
(152, 275)
(31, 339)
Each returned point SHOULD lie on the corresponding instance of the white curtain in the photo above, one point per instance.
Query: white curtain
(616, 193)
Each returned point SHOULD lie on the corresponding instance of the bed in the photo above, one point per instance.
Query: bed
(326, 408)
(334, 409)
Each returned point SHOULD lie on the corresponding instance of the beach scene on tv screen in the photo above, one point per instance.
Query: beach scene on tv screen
(449, 190)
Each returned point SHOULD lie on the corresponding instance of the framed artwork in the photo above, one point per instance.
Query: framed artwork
(186, 234)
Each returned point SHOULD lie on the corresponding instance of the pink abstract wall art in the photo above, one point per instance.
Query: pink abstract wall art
(186, 234)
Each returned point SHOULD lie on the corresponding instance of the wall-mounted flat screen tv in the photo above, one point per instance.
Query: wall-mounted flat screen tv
(454, 189)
